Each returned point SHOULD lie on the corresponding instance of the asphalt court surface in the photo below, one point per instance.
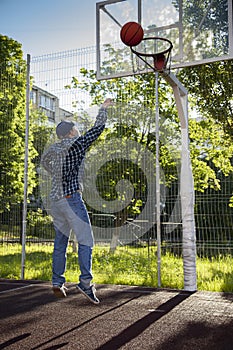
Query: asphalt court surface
(128, 317)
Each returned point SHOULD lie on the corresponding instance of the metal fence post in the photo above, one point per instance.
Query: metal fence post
(24, 218)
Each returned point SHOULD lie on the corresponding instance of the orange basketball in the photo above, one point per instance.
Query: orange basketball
(131, 33)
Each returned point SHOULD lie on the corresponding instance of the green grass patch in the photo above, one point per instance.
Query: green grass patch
(215, 274)
(128, 265)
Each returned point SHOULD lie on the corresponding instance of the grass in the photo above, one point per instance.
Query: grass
(131, 266)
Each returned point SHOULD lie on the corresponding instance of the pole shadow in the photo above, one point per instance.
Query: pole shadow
(14, 340)
(139, 326)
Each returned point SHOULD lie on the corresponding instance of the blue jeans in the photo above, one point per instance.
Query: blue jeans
(70, 214)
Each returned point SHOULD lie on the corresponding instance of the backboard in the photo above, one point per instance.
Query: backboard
(201, 31)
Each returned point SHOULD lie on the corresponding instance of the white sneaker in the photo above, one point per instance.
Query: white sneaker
(59, 291)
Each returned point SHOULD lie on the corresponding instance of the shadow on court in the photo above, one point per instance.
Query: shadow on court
(127, 318)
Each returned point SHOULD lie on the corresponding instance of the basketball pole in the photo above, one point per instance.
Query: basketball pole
(158, 223)
(186, 182)
(186, 185)
(24, 218)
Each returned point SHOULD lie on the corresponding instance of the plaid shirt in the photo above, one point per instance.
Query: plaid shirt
(63, 159)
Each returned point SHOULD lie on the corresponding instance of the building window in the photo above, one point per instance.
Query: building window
(33, 97)
(47, 102)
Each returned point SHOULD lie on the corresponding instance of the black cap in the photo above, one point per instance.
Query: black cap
(63, 128)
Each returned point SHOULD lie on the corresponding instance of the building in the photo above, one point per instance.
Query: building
(49, 105)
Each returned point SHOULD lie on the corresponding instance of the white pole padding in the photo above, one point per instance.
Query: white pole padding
(188, 221)
(186, 187)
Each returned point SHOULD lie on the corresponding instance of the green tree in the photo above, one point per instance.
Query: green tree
(210, 86)
(12, 125)
(136, 97)
(41, 133)
(210, 89)
(211, 148)
(134, 114)
(205, 25)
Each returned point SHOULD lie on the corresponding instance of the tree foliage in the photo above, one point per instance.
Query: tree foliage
(12, 125)
(211, 148)
(210, 127)
(205, 25)
(210, 85)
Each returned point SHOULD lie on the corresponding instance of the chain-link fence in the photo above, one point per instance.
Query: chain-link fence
(120, 187)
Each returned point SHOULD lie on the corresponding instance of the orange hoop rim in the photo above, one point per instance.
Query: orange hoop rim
(166, 53)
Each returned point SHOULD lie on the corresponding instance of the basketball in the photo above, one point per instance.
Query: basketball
(159, 62)
(131, 33)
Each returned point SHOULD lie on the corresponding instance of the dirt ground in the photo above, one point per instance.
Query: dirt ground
(127, 318)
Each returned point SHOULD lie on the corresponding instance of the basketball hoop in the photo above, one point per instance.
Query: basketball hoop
(155, 52)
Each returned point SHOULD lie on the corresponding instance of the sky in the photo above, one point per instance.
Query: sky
(48, 26)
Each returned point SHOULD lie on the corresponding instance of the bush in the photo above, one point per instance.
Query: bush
(39, 225)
